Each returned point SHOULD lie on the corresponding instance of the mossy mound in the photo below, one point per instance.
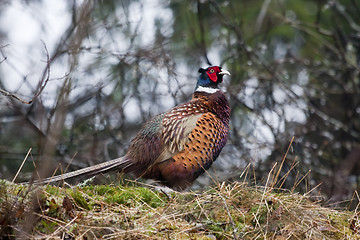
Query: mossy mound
(228, 211)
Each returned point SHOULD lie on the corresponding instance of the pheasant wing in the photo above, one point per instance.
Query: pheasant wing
(177, 126)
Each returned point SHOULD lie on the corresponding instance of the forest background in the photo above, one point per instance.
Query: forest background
(78, 78)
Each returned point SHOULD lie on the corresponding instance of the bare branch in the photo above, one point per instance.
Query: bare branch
(200, 16)
(41, 85)
(43, 82)
(7, 94)
(2, 53)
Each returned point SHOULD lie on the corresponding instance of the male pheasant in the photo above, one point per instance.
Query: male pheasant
(177, 146)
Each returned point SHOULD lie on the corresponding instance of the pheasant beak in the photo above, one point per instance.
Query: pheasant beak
(224, 72)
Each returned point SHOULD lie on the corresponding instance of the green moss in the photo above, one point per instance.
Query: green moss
(52, 190)
(53, 208)
(259, 214)
(79, 199)
(128, 196)
(339, 220)
(104, 190)
(143, 213)
(45, 226)
(87, 196)
(215, 226)
(124, 198)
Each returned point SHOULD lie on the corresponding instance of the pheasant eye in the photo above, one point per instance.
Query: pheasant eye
(212, 71)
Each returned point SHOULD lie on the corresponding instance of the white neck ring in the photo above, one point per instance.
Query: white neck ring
(206, 89)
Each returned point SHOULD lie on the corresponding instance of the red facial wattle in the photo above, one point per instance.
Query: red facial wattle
(212, 73)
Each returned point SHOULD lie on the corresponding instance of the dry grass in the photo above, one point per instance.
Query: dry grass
(227, 211)
(129, 210)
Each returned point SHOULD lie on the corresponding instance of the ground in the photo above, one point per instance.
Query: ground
(134, 211)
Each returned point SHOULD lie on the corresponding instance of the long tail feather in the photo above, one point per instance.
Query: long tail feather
(118, 163)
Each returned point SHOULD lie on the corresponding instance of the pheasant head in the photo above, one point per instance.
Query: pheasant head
(210, 78)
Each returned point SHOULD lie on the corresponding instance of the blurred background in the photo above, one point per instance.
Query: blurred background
(78, 78)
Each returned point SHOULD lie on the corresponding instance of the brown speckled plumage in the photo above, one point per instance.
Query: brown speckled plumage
(177, 146)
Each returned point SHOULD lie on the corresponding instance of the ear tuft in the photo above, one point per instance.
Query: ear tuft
(201, 70)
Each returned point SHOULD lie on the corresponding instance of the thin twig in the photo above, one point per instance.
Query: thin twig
(42, 83)
(2, 53)
(282, 163)
(22, 164)
(298, 182)
(283, 178)
(230, 217)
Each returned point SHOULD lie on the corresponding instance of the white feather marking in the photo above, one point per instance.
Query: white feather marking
(206, 89)
(178, 137)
